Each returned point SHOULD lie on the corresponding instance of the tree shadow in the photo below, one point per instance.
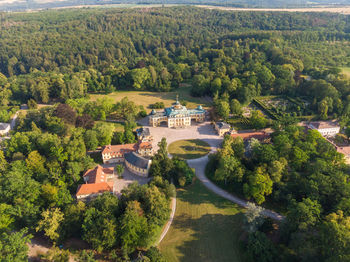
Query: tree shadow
(212, 237)
(188, 156)
(206, 130)
(213, 141)
(195, 148)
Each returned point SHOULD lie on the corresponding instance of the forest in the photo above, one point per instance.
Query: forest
(59, 57)
(40, 168)
(303, 176)
(45, 4)
(53, 56)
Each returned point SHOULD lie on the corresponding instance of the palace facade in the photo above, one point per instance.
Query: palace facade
(177, 116)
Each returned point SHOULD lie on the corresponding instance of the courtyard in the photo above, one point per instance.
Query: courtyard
(126, 179)
(202, 131)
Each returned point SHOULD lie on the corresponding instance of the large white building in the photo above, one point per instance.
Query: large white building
(326, 128)
(177, 116)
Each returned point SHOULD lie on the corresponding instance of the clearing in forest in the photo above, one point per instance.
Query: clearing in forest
(146, 98)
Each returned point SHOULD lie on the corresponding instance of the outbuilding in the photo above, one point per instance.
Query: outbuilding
(137, 164)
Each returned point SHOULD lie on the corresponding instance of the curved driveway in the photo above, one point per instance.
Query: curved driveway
(199, 165)
(205, 132)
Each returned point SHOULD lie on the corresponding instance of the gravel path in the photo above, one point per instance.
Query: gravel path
(168, 224)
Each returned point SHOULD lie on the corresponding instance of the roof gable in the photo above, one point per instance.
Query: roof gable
(89, 189)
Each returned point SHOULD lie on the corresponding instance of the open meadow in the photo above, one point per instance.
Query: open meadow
(146, 98)
(205, 228)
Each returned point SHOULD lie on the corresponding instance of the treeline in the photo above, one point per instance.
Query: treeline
(41, 166)
(174, 170)
(59, 55)
(305, 176)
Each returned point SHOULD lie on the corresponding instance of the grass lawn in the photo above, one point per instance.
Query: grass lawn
(345, 70)
(145, 98)
(119, 127)
(206, 228)
(189, 149)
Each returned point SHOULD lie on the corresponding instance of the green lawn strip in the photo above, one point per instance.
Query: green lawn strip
(189, 149)
(206, 227)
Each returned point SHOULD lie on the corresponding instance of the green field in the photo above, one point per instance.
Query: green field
(146, 98)
(119, 127)
(189, 149)
(345, 71)
(205, 228)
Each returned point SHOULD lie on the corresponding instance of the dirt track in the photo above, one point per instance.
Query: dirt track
(341, 10)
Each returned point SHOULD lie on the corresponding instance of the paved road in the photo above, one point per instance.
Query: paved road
(168, 224)
(200, 164)
(203, 131)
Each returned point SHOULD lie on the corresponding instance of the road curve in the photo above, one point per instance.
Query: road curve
(199, 165)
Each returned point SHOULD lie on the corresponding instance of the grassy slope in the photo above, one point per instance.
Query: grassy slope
(189, 149)
(145, 98)
(205, 228)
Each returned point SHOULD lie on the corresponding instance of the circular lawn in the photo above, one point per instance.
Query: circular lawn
(189, 149)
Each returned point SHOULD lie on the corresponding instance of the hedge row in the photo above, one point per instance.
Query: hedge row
(266, 109)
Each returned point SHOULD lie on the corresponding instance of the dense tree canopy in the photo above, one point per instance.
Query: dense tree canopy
(62, 56)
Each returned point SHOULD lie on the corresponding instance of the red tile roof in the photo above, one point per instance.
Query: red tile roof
(89, 189)
(145, 145)
(98, 174)
(344, 150)
(119, 149)
(248, 135)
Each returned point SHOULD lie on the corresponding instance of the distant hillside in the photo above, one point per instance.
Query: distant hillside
(12, 5)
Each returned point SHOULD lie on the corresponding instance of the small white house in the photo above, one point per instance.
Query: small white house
(222, 128)
(326, 128)
(4, 128)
